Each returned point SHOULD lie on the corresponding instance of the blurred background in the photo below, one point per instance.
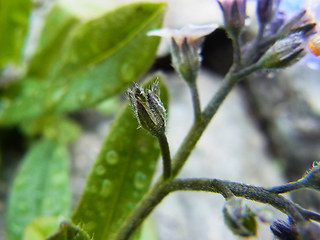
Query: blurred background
(266, 133)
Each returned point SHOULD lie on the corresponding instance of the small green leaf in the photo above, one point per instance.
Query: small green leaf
(41, 228)
(40, 188)
(13, 27)
(120, 176)
(69, 232)
(104, 55)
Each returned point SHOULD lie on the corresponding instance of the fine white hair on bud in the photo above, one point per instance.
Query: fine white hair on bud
(148, 108)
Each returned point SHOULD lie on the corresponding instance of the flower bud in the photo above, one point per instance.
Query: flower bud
(186, 58)
(239, 218)
(148, 109)
(312, 177)
(234, 12)
(266, 10)
(284, 52)
(185, 47)
(283, 230)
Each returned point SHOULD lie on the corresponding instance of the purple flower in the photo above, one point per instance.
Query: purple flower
(234, 12)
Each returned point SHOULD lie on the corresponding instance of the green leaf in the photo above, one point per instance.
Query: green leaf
(60, 22)
(41, 228)
(69, 232)
(13, 27)
(54, 127)
(40, 188)
(104, 55)
(120, 176)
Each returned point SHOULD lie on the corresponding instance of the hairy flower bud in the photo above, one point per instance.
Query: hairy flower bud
(266, 10)
(284, 52)
(239, 218)
(234, 12)
(312, 177)
(284, 230)
(148, 109)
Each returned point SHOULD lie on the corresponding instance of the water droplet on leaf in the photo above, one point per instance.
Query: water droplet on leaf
(112, 157)
(106, 188)
(140, 180)
(100, 170)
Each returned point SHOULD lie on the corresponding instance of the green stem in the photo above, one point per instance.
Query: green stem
(249, 192)
(195, 99)
(166, 158)
(160, 189)
(201, 123)
(225, 188)
(292, 186)
(237, 61)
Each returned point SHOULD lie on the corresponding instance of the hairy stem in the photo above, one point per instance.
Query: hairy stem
(195, 99)
(225, 188)
(292, 186)
(201, 124)
(249, 192)
(166, 158)
(160, 189)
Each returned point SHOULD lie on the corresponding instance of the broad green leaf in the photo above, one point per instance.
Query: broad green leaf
(69, 232)
(104, 55)
(14, 16)
(120, 176)
(41, 228)
(59, 25)
(41, 186)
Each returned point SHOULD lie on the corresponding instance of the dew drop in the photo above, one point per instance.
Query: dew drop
(106, 188)
(100, 170)
(127, 72)
(140, 180)
(112, 157)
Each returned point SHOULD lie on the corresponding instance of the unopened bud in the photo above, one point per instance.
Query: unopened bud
(284, 52)
(312, 177)
(283, 230)
(266, 10)
(239, 218)
(148, 109)
(234, 12)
